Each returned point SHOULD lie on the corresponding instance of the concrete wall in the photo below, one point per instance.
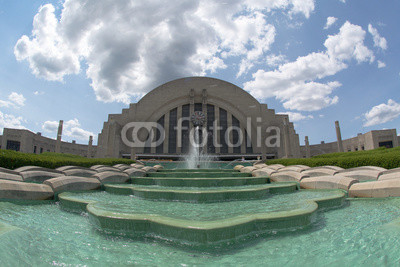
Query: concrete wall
(36, 143)
(367, 141)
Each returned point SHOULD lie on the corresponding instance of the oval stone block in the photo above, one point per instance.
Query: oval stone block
(260, 165)
(80, 172)
(327, 182)
(25, 191)
(107, 168)
(297, 168)
(287, 176)
(122, 167)
(133, 172)
(390, 174)
(38, 176)
(248, 169)
(137, 165)
(10, 176)
(72, 183)
(94, 167)
(112, 177)
(276, 166)
(319, 171)
(385, 188)
(263, 172)
(36, 168)
(361, 173)
(5, 170)
(238, 167)
(149, 169)
(158, 167)
(63, 168)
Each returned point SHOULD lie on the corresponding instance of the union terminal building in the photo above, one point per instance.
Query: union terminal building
(228, 122)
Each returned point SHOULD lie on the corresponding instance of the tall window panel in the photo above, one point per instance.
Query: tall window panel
(223, 122)
(210, 131)
(236, 135)
(172, 131)
(160, 147)
(185, 128)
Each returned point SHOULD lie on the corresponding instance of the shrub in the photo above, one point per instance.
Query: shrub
(11, 160)
(381, 157)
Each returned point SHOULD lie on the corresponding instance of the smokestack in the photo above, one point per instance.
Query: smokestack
(339, 137)
(59, 134)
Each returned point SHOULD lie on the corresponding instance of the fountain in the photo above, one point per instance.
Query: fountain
(200, 217)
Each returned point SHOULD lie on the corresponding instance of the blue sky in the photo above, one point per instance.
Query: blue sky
(82, 60)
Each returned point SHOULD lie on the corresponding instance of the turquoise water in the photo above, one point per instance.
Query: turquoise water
(365, 233)
(203, 212)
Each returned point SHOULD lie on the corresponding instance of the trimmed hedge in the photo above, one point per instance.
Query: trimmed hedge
(382, 157)
(11, 160)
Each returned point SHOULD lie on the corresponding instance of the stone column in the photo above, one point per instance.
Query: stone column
(339, 137)
(179, 130)
(286, 137)
(216, 131)
(230, 134)
(308, 152)
(59, 134)
(89, 152)
(166, 133)
(204, 108)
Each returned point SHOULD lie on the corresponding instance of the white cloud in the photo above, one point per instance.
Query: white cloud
(378, 40)
(71, 129)
(329, 22)
(382, 113)
(10, 121)
(132, 46)
(296, 83)
(295, 116)
(275, 60)
(15, 100)
(381, 64)
(38, 93)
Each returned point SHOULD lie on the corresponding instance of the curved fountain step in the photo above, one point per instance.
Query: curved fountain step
(166, 224)
(196, 170)
(200, 182)
(198, 174)
(202, 195)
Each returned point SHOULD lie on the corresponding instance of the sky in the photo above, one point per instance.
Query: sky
(318, 61)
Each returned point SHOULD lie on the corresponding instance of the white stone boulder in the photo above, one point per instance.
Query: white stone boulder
(328, 182)
(287, 176)
(24, 191)
(112, 177)
(378, 189)
(38, 176)
(8, 171)
(72, 184)
(133, 172)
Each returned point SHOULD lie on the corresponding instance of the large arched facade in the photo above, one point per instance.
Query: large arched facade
(234, 124)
